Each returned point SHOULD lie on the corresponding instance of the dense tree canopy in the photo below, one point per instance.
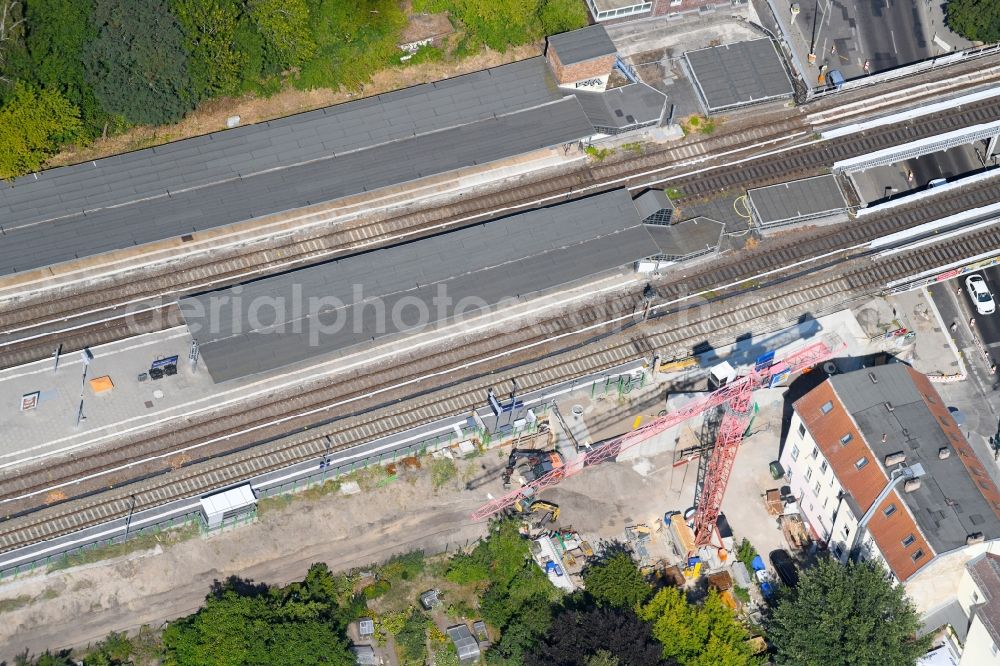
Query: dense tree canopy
(978, 20)
(706, 635)
(242, 623)
(596, 635)
(850, 614)
(131, 62)
(137, 65)
(33, 123)
(615, 580)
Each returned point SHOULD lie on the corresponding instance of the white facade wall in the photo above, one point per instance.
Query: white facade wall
(811, 479)
(813, 482)
(980, 650)
(969, 594)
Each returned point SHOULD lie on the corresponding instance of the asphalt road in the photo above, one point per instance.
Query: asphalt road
(891, 31)
(946, 164)
(987, 325)
(845, 33)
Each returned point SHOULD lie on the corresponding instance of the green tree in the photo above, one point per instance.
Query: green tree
(562, 15)
(217, 63)
(412, 639)
(579, 637)
(33, 124)
(850, 614)
(284, 25)
(11, 36)
(354, 38)
(615, 580)
(242, 623)
(978, 20)
(137, 65)
(708, 635)
(57, 38)
(498, 24)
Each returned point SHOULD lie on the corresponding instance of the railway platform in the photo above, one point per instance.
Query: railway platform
(49, 409)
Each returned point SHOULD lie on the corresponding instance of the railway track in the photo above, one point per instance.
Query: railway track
(720, 323)
(26, 333)
(222, 429)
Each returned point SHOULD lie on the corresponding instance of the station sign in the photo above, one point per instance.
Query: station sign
(163, 362)
(29, 401)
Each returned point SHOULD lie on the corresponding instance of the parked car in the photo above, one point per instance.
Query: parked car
(785, 567)
(980, 294)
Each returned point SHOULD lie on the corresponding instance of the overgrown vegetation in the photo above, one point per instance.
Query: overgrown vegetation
(443, 470)
(599, 154)
(499, 24)
(136, 542)
(75, 70)
(618, 619)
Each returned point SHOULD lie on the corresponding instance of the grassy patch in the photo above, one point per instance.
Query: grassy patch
(674, 193)
(599, 154)
(20, 601)
(698, 123)
(143, 541)
(633, 147)
(443, 470)
(742, 594)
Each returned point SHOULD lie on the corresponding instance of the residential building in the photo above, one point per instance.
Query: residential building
(973, 615)
(881, 471)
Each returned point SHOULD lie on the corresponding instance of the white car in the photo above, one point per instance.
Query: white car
(980, 294)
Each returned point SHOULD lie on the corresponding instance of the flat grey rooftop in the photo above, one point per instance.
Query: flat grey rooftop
(737, 74)
(322, 155)
(798, 199)
(948, 506)
(475, 269)
(583, 44)
(622, 107)
(651, 202)
(692, 237)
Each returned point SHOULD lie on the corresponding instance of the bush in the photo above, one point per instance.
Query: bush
(403, 567)
(377, 589)
(443, 470)
(411, 641)
(33, 124)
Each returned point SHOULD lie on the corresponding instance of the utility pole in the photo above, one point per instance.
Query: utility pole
(128, 519)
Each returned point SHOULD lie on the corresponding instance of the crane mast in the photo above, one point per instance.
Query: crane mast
(737, 399)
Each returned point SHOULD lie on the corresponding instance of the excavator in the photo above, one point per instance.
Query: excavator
(532, 464)
(528, 506)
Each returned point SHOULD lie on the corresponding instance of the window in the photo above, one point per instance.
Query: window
(822, 467)
(847, 531)
(994, 649)
(816, 489)
(846, 439)
(889, 510)
(837, 551)
(809, 474)
(908, 541)
(815, 453)
(827, 407)
(860, 463)
(802, 430)
(795, 452)
(917, 555)
(975, 597)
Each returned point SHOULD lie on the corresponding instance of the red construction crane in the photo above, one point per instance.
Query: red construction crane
(737, 397)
